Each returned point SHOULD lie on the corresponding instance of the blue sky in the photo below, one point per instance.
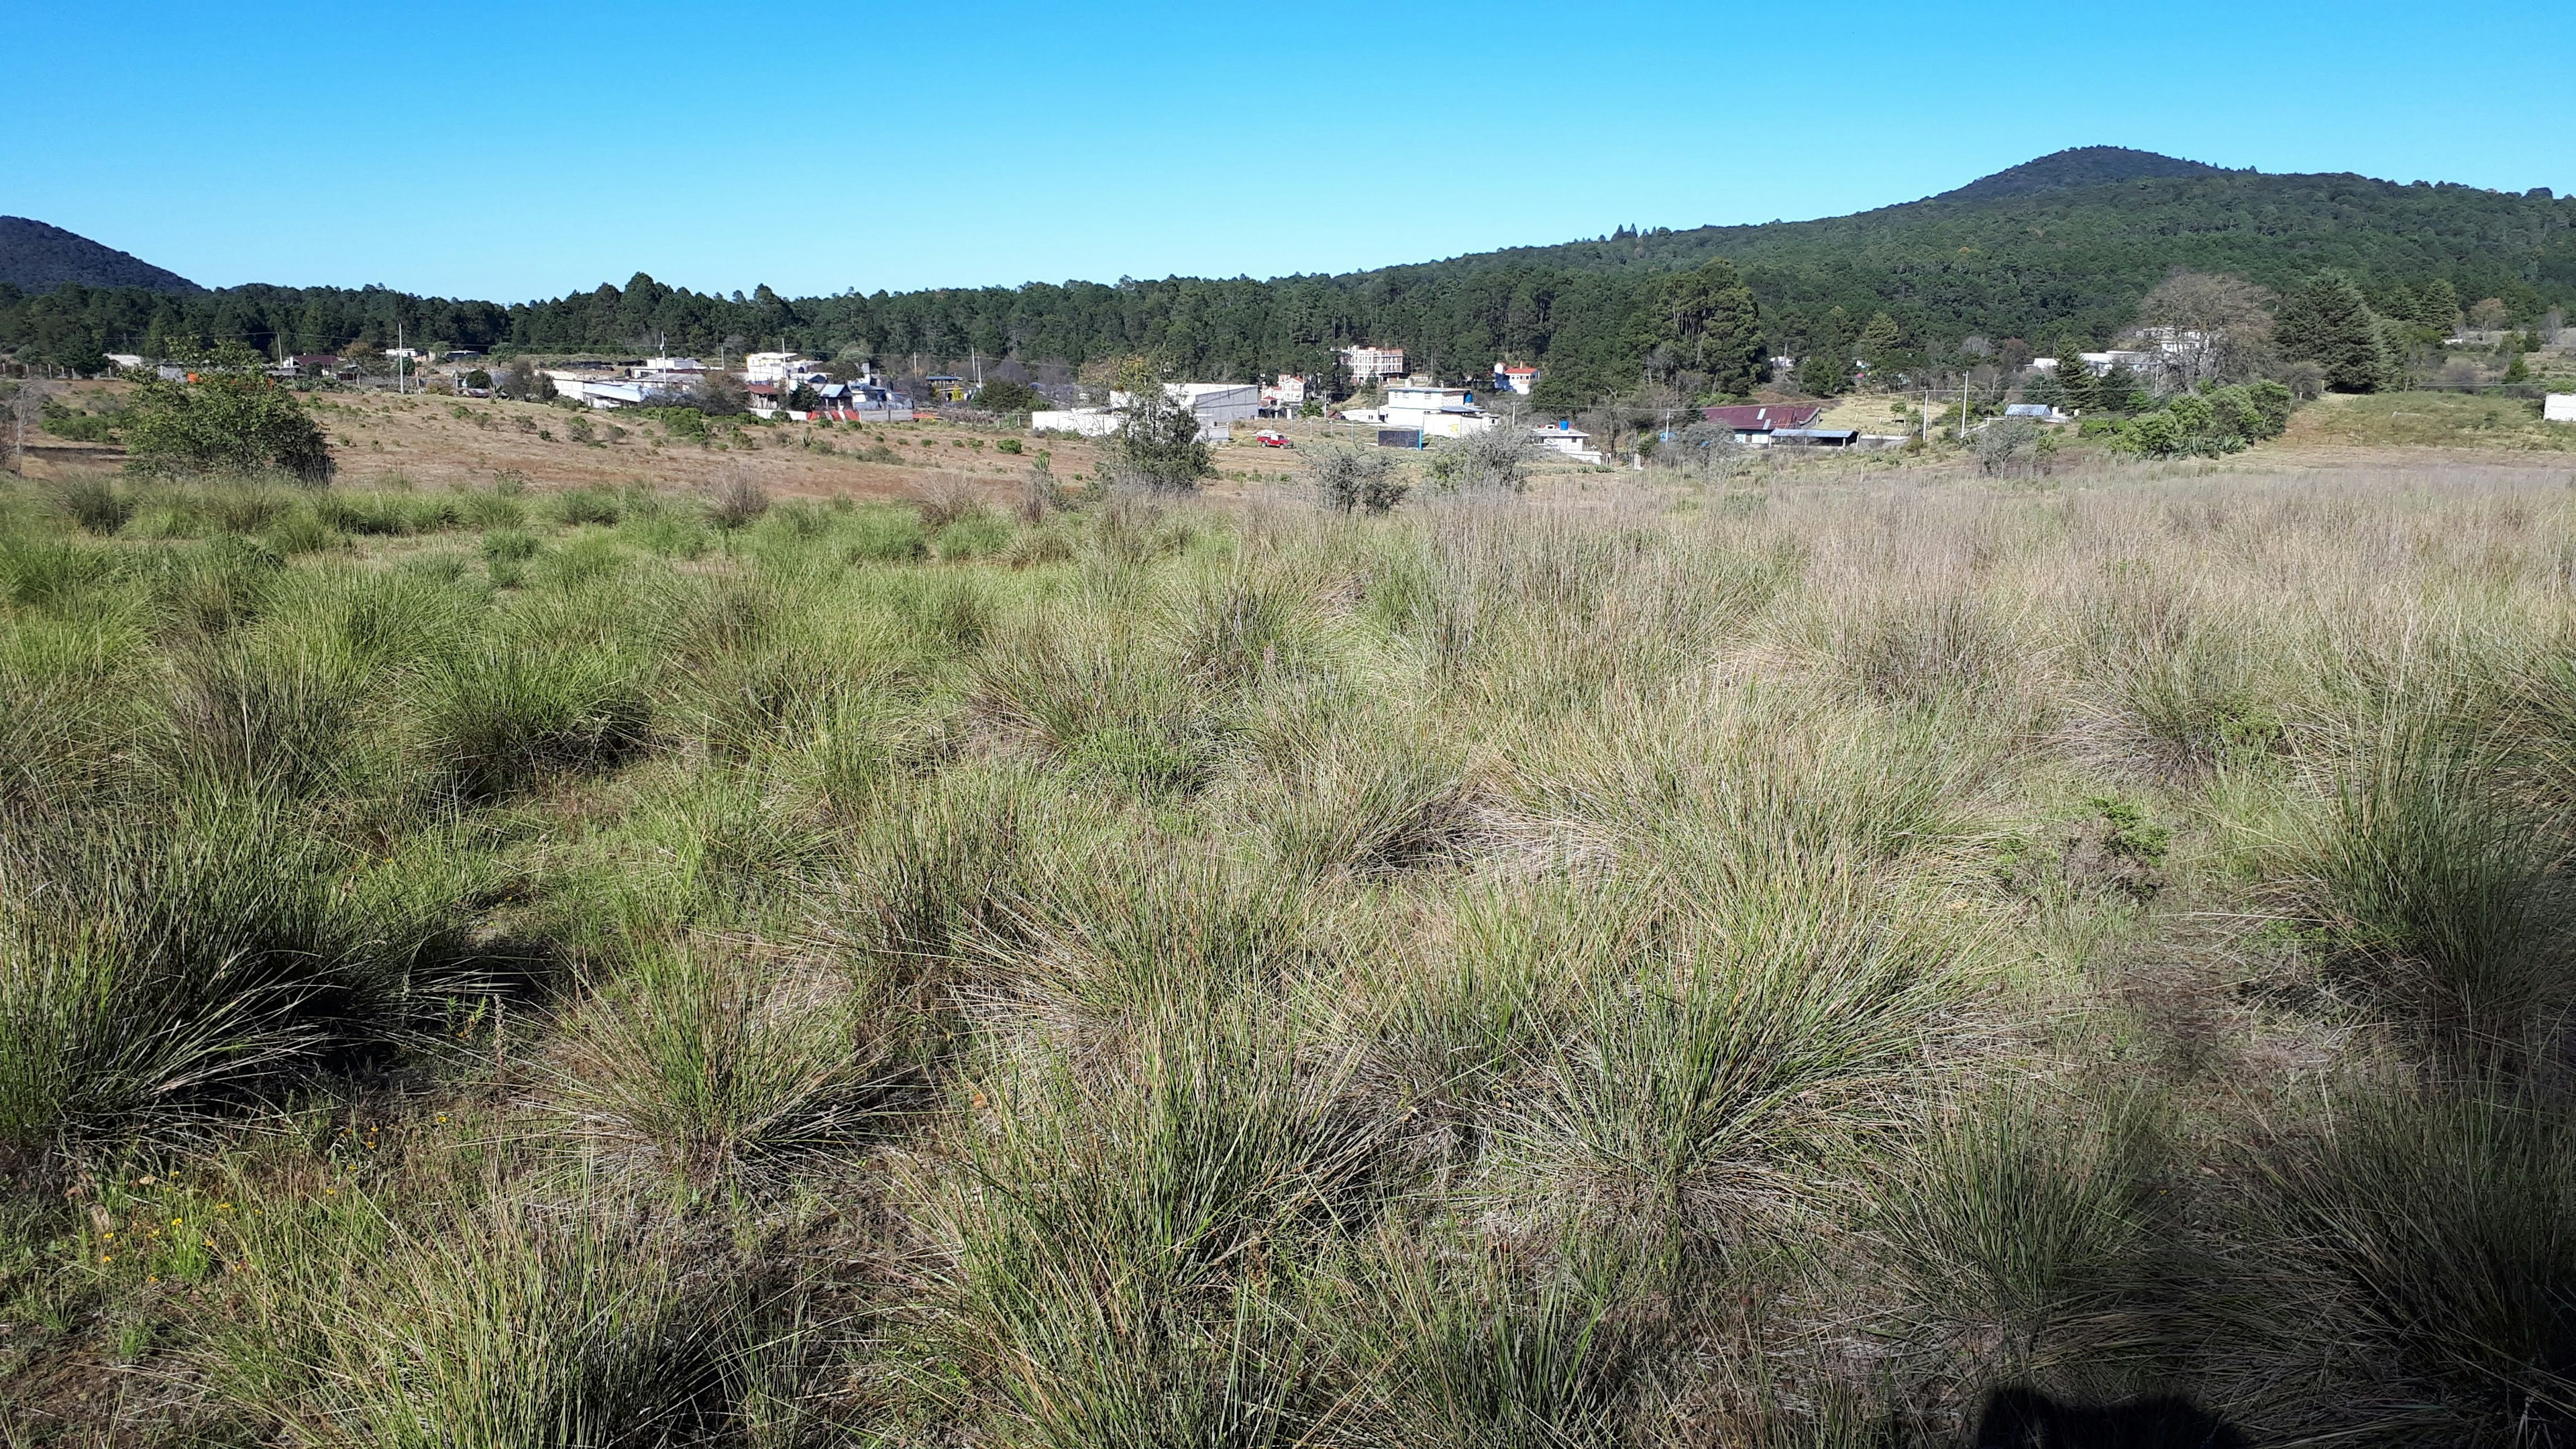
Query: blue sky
(520, 150)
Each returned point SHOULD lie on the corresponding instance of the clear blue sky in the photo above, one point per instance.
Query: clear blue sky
(520, 150)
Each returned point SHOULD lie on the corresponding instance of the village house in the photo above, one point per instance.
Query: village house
(1510, 377)
(1284, 397)
(1757, 424)
(1426, 408)
(1567, 440)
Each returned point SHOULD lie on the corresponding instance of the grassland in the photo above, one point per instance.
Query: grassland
(2447, 420)
(1798, 959)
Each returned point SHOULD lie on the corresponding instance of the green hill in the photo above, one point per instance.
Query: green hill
(2059, 249)
(37, 257)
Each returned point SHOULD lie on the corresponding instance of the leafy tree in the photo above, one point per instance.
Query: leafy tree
(2218, 327)
(803, 398)
(2329, 323)
(230, 422)
(1707, 322)
(1823, 372)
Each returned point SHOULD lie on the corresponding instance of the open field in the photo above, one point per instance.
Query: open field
(1835, 956)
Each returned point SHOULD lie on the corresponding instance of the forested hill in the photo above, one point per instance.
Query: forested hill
(2047, 252)
(38, 257)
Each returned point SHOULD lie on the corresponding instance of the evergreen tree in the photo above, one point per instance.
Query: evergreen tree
(1879, 346)
(2327, 322)
(1823, 372)
(1708, 322)
(2439, 305)
(2075, 389)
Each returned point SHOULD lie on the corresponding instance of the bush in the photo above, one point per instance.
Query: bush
(1362, 479)
(1497, 460)
(236, 423)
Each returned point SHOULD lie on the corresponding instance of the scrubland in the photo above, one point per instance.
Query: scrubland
(1826, 962)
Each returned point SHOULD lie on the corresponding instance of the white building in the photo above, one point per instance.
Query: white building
(1368, 365)
(2102, 362)
(2559, 407)
(784, 368)
(1286, 395)
(1568, 440)
(1217, 405)
(1513, 378)
(1440, 412)
(1081, 422)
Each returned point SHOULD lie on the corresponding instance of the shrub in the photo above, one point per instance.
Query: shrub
(237, 423)
(1362, 479)
(1497, 460)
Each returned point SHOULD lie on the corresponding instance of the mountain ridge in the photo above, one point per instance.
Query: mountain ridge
(38, 256)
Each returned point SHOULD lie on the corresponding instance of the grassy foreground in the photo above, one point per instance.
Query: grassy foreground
(1851, 964)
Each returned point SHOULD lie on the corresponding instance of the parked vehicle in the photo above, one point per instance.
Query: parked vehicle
(1271, 439)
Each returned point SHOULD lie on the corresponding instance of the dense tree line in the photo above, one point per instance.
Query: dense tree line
(1891, 287)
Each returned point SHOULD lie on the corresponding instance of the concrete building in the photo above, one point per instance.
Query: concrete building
(2101, 363)
(1284, 397)
(1510, 377)
(1434, 412)
(1081, 422)
(2559, 407)
(1370, 365)
(786, 368)
(1568, 441)
(1217, 405)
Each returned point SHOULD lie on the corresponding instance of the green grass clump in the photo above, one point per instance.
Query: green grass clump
(1875, 959)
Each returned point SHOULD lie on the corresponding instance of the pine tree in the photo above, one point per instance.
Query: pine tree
(2327, 322)
(2075, 382)
(1709, 322)
(2439, 305)
(1879, 342)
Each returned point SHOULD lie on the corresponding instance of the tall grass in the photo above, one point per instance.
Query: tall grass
(1659, 960)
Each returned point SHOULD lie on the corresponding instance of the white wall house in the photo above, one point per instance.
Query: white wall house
(1514, 378)
(2559, 407)
(1567, 440)
(1440, 412)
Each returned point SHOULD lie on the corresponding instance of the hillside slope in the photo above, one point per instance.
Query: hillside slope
(2051, 252)
(37, 256)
